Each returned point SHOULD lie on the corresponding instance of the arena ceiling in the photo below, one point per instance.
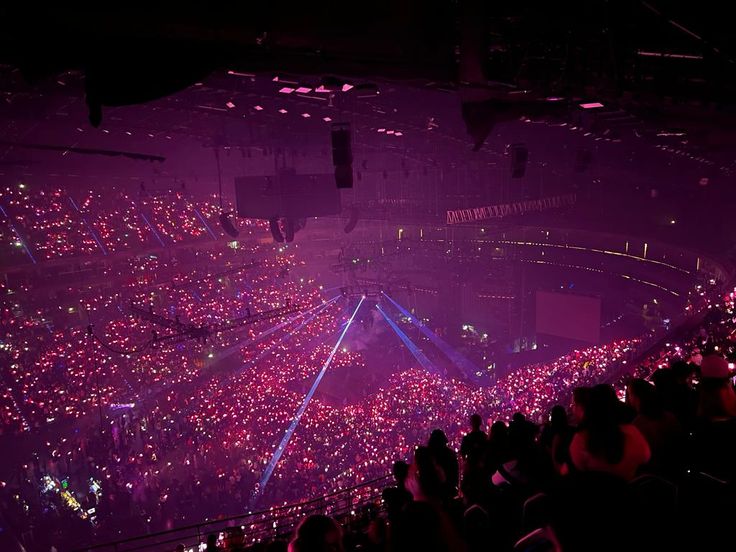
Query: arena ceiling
(176, 83)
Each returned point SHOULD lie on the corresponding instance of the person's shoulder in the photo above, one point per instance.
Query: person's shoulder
(631, 430)
(579, 439)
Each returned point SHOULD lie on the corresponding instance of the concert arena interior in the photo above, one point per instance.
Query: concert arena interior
(391, 276)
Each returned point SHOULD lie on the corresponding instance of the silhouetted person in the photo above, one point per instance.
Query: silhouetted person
(714, 435)
(660, 428)
(234, 539)
(425, 524)
(556, 437)
(528, 467)
(396, 498)
(682, 399)
(447, 461)
(317, 533)
(212, 543)
(580, 399)
(498, 446)
(603, 443)
(476, 440)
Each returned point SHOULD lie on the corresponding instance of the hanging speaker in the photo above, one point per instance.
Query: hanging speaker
(342, 155)
(344, 176)
(288, 230)
(227, 225)
(273, 225)
(342, 151)
(582, 160)
(352, 221)
(519, 156)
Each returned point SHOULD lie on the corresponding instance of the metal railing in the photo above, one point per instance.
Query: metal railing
(345, 505)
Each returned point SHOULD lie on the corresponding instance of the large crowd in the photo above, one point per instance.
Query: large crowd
(40, 223)
(133, 436)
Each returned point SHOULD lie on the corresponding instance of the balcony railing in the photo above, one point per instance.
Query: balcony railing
(346, 505)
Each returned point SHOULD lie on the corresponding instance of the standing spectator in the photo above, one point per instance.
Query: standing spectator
(425, 524)
(498, 446)
(317, 533)
(556, 437)
(604, 444)
(476, 440)
(212, 543)
(714, 442)
(397, 498)
(580, 398)
(446, 459)
(659, 427)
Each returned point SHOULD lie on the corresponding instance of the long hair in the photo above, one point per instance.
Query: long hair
(650, 404)
(558, 419)
(716, 399)
(605, 438)
(311, 535)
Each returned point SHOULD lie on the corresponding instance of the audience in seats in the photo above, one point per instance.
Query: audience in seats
(654, 471)
(604, 443)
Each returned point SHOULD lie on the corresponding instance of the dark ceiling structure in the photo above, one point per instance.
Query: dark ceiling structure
(654, 61)
(644, 89)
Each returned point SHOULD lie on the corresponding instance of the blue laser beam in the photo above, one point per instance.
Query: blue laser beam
(260, 356)
(271, 466)
(91, 231)
(466, 366)
(94, 236)
(150, 226)
(313, 312)
(416, 351)
(21, 241)
(204, 222)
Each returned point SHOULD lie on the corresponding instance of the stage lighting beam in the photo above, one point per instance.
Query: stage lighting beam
(468, 368)
(271, 466)
(416, 351)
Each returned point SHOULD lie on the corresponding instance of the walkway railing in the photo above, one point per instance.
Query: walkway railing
(345, 505)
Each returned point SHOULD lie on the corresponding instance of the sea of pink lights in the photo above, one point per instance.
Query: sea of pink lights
(225, 423)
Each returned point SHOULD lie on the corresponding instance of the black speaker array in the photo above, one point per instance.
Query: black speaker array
(352, 221)
(342, 155)
(273, 225)
(227, 225)
(519, 157)
(583, 160)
